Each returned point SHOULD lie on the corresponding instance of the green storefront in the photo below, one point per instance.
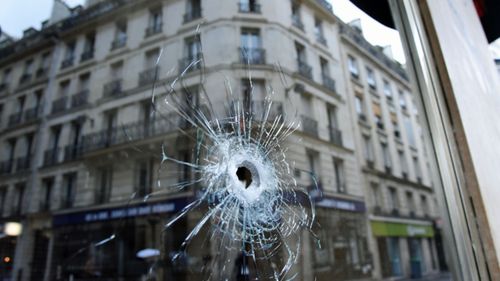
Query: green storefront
(388, 236)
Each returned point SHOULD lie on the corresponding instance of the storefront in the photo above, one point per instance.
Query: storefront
(408, 248)
(342, 253)
(9, 232)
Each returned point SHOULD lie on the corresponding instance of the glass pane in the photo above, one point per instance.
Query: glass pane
(243, 140)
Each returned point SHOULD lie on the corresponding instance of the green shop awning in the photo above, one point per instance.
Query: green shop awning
(380, 228)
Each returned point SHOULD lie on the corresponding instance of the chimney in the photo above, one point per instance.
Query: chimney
(29, 31)
(60, 11)
(388, 51)
(356, 24)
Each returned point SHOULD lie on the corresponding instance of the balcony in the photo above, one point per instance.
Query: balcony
(31, 114)
(59, 105)
(297, 23)
(80, 99)
(329, 83)
(191, 61)
(153, 29)
(249, 8)
(252, 55)
(67, 62)
(149, 76)
(335, 136)
(15, 119)
(321, 39)
(23, 163)
(50, 157)
(6, 167)
(388, 169)
(397, 134)
(309, 126)
(113, 88)
(118, 43)
(25, 79)
(304, 69)
(370, 163)
(380, 125)
(262, 109)
(192, 15)
(87, 55)
(72, 152)
(41, 73)
(132, 132)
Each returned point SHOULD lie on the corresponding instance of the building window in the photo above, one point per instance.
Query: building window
(251, 51)
(193, 10)
(104, 185)
(318, 31)
(393, 201)
(304, 68)
(184, 171)
(46, 198)
(353, 67)
(3, 199)
(120, 39)
(359, 106)
(28, 72)
(192, 54)
(376, 198)
(425, 205)
(418, 171)
(69, 190)
(387, 90)
(402, 101)
(144, 177)
(370, 78)
(155, 22)
(43, 68)
(249, 6)
(340, 181)
(19, 199)
(411, 203)
(312, 162)
(409, 131)
(377, 114)
(387, 157)
(296, 18)
(69, 56)
(403, 164)
(368, 150)
(5, 79)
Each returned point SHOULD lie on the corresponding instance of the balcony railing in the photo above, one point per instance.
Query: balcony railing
(252, 55)
(80, 99)
(297, 22)
(305, 69)
(309, 125)
(259, 110)
(6, 167)
(51, 157)
(118, 43)
(60, 105)
(335, 136)
(380, 125)
(132, 132)
(15, 119)
(72, 152)
(87, 55)
(321, 39)
(153, 29)
(191, 16)
(189, 61)
(25, 78)
(388, 169)
(23, 163)
(31, 114)
(249, 8)
(113, 88)
(329, 83)
(67, 62)
(148, 76)
(41, 73)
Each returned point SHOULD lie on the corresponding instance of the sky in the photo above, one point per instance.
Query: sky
(14, 18)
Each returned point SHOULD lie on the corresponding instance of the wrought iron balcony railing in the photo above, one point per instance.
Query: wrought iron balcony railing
(305, 69)
(321, 39)
(249, 8)
(67, 62)
(148, 76)
(192, 15)
(42, 73)
(335, 136)
(329, 83)
(72, 152)
(51, 157)
(6, 166)
(252, 55)
(60, 105)
(25, 78)
(309, 126)
(154, 29)
(23, 163)
(191, 61)
(87, 55)
(80, 99)
(297, 22)
(15, 119)
(113, 88)
(119, 43)
(31, 114)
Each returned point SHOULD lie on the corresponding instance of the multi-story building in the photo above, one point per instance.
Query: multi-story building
(82, 144)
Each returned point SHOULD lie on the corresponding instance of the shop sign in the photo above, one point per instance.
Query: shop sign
(401, 229)
(145, 209)
(341, 204)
